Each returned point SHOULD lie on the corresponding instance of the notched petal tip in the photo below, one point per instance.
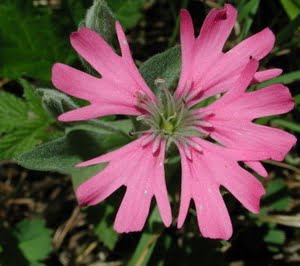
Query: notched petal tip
(227, 12)
(269, 34)
(80, 34)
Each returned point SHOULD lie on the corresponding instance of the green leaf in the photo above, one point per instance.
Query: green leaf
(281, 204)
(56, 102)
(101, 19)
(247, 11)
(275, 236)
(144, 249)
(287, 32)
(77, 10)
(284, 79)
(104, 230)
(165, 65)
(274, 187)
(291, 7)
(128, 12)
(23, 124)
(13, 111)
(34, 239)
(63, 154)
(30, 43)
(297, 99)
(277, 196)
(287, 124)
(22, 139)
(33, 99)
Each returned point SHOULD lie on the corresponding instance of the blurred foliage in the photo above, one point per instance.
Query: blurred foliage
(34, 36)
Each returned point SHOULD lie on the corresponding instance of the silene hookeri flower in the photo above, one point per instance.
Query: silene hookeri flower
(212, 140)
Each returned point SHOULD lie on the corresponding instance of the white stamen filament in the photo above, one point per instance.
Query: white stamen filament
(156, 143)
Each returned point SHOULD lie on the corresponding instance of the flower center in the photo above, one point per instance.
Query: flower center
(169, 117)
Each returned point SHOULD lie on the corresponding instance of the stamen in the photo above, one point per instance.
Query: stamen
(133, 133)
(140, 117)
(194, 145)
(187, 150)
(156, 144)
(186, 89)
(148, 139)
(170, 117)
(193, 94)
(202, 115)
(202, 123)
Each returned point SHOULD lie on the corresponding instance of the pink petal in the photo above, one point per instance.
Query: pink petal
(201, 178)
(245, 135)
(114, 93)
(94, 110)
(227, 70)
(95, 50)
(106, 98)
(212, 215)
(272, 100)
(215, 31)
(201, 54)
(268, 74)
(143, 181)
(257, 167)
(128, 61)
(187, 45)
(102, 57)
(205, 68)
(244, 186)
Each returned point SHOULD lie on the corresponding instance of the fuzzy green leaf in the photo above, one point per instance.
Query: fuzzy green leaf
(165, 65)
(101, 19)
(56, 102)
(79, 144)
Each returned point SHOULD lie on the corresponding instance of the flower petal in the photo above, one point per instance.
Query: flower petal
(215, 31)
(212, 215)
(106, 97)
(200, 54)
(143, 181)
(116, 91)
(228, 69)
(268, 74)
(257, 167)
(201, 178)
(102, 57)
(245, 135)
(272, 100)
(206, 70)
(187, 45)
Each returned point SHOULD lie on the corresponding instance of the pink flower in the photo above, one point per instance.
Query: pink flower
(175, 119)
